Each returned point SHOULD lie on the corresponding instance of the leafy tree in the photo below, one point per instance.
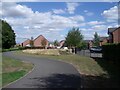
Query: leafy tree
(96, 39)
(56, 43)
(8, 35)
(43, 43)
(82, 45)
(74, 37)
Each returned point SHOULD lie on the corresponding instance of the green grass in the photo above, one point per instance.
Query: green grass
(85, 65)
(13, 69)
(12, 76)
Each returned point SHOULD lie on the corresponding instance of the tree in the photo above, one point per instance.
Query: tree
(56, 43)
(74, 37)
(96, 39)
(8, 35)
(82, 45)
(43, 43)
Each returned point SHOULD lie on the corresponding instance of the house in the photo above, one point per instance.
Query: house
(62, 43)
(26, 43)
(89, 43)
(37, 42)
(103, 40)
(114, 35)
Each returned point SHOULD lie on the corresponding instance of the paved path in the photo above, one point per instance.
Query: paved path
(46, 74)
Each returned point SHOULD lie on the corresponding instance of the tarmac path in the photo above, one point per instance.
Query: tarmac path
(47, 73)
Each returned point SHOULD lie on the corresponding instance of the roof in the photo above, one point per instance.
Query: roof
(40, 36)
(62, 41)
(87, 41)
(26, 40)
(102, 38)
(110, 30)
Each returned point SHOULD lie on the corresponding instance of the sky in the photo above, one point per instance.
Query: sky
(54, 19)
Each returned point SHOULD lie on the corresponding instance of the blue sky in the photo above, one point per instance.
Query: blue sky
(55, 19)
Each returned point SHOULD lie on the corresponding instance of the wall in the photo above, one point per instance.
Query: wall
(37, 41)
(25, 43)
(116, 36)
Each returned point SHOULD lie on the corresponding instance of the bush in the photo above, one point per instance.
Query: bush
(13, 49)
(111, 52)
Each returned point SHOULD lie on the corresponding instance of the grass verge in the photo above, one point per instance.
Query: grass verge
(13, 70)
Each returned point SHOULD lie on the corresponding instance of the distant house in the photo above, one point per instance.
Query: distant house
(103, 40)
(62, 43)
(26, 43)
(114, 35)
(37, 42)
(89, 43)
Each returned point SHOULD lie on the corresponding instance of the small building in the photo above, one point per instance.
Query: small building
(62, 43)
(114, 35)
(26, 43)
(89, 43)
(103, 40)
(38, 41)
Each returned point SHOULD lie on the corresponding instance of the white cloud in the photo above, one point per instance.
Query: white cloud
(71, 7)
(111, 15)
(88, 13)
(95, 23)
(77, 18)
(58, 11)
(27, 23)
(11, 9)
(99, 27)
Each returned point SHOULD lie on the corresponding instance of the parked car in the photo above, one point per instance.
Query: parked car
(96, 49)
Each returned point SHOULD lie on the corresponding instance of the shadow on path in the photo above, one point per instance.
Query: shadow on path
(57, 81)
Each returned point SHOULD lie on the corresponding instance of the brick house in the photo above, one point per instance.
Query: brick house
(103, 40)
(37, 42)
(89, 43)
(114, 35)
(26, 43)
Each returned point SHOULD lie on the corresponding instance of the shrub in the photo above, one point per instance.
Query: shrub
(111, 52)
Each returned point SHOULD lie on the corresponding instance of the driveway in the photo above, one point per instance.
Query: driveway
(46, 74)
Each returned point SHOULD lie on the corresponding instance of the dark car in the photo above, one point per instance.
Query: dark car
(96, 49)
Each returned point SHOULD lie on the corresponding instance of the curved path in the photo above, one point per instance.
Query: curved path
(46, 74)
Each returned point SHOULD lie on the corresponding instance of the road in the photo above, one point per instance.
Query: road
(46, 74)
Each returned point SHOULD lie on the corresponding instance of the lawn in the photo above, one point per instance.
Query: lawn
(94, 73)
(13, 69)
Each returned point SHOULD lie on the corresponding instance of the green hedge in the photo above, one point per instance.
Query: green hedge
(111, 52)
(13, 49)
